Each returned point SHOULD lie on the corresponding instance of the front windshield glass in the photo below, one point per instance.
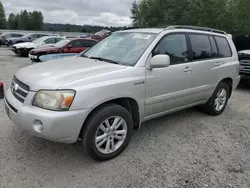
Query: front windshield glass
(61, 43)
(39, 40)
(123, 47)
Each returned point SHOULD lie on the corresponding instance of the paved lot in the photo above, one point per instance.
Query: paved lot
(187, 149)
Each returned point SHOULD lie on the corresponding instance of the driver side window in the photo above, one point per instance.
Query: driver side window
(174, 45)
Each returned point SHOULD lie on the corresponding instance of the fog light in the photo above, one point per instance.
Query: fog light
(38, 126)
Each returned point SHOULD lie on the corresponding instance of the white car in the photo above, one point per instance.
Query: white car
(100, 97)
(24, 48)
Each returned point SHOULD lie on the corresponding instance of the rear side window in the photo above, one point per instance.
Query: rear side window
(215, 52)
(223, 46)
(201, 47)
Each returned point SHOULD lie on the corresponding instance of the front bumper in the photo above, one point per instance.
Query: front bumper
(62, 127)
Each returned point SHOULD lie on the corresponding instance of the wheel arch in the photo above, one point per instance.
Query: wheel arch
(229, 82)
(128, 103)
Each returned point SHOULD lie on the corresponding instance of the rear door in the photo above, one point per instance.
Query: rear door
(204, 65)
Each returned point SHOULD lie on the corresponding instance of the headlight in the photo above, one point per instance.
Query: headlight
(57, 100)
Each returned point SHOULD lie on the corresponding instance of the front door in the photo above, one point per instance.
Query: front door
(168, 89)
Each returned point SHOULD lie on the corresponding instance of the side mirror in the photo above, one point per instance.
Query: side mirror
(70, 46)
(159, 61)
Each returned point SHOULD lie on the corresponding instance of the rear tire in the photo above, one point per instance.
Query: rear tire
(218, 101)
(107, 132)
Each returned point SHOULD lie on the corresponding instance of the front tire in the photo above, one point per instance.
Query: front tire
(218, 101)
(107, 132)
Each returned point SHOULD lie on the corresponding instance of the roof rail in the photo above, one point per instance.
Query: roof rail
(195, 28)
(127, 28)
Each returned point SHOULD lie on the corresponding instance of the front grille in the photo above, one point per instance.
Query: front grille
(19, 89)
(245, 67)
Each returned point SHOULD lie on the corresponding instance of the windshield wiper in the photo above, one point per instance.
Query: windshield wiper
(104, 59)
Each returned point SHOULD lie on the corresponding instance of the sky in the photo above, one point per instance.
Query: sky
(80, 12)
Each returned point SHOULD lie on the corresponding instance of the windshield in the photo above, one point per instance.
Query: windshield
(123, 47)
(39, 40)
(61, 43)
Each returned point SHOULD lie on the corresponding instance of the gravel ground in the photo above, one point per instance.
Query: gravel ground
(187, 149)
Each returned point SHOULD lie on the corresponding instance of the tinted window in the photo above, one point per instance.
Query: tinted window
(17, 35)
(175, 46)
(223, 46)
(49, 41)
(214, 47)
(86, 43)
(200, 46)
(57, 39)
(75, 44)
(41, 35)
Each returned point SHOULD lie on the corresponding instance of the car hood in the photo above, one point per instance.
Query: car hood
(247, 52)
(56, 73)
(26, 45)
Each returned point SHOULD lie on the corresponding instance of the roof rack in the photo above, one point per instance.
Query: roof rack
(133, 27)
(195, 28)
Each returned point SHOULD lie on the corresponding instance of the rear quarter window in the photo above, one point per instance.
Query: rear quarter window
(223, 47)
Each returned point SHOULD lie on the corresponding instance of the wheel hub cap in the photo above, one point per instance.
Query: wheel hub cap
(110, 135)
(220, 99)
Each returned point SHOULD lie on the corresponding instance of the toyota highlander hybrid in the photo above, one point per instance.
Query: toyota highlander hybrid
(132, 76)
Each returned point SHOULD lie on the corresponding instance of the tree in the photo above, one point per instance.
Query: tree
(230, 15)
(11, 21)
(2, 17)
(17, 22)
(36, 20)
(24, 20)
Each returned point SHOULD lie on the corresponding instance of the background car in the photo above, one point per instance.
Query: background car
(6, 36)
(27, 38)
(74, 45)
(23, 49)
(242, 44)
(48, 57)
(101, 34)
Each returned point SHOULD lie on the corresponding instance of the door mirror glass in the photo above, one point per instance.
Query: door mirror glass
(70, 46)
(160, 61)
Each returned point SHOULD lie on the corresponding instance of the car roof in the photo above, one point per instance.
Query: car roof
(144, 30)
(78, 38)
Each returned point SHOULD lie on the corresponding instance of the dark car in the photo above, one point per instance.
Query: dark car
(6, 36)
(27, 38)
(242, 44)
(73, 45)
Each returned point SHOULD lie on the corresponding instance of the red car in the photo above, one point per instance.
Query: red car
(73, 45)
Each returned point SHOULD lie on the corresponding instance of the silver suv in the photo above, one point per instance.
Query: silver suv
(134, 75)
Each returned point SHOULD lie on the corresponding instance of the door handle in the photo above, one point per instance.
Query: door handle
(217, 64)
(188, 69)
